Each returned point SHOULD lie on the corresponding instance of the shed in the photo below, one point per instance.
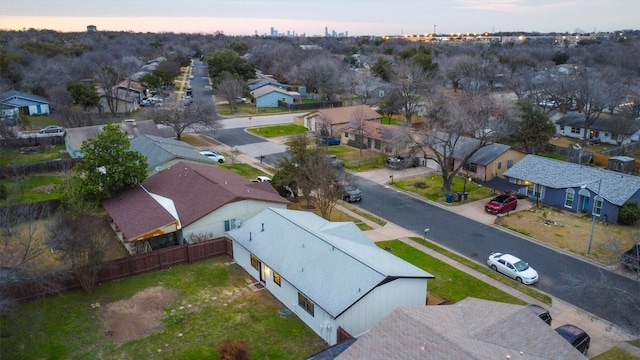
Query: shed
(623, 164)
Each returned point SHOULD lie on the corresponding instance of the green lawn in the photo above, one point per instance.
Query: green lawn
(14, 156)
(244, 170)
(430, 187)
(447, 284)
(278, 130)
(32, 189)
(212, 305)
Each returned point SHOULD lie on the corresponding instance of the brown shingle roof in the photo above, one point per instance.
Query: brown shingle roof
(470, 329)
(345, 114)
(195, 189)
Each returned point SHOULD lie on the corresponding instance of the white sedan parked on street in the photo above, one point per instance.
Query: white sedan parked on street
(213, 155)
(512, 267)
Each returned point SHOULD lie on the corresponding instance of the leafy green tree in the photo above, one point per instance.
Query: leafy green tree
(534, 129)
(629, 213)
(228, 61)
(383, 69)
(84, 95)
(108, 166)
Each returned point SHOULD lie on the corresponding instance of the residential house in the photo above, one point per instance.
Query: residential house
(133, 88)
(329, 274)
(74, 137)
(255, 84)
(268, 96)
(329, 122)
(373, 135)
(470, 329)
(186, 202)
(162, 153)
(124, 100)
(27, 104)
(605, 129)
(489, 161)
(574, 187)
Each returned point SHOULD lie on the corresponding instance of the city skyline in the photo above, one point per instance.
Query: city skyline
(356, 17)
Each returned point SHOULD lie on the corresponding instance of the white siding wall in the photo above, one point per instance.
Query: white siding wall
(321, 323)
(358, 319)
(213, 223)
(376, 305)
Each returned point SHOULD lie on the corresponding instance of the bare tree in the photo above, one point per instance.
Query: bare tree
(78, 232)
(108, 77)
(230, 88)
(181, 116)
(22, 248)
(456, 128)
(358, 124)
(596, 91)
(320, 74)
(410, 85)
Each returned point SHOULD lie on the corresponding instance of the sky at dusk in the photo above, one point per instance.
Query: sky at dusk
(310, 17)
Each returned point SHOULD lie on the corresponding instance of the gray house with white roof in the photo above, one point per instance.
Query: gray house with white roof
(330, 274)
(575, 187)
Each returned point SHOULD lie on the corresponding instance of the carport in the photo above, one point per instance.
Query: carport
(501, 184)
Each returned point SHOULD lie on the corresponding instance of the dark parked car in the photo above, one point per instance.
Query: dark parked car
(330, 141)
(349, 192)
(501, 203)
(576, 337)
(402, 161)
(335, 162)
(540, 312)
(631, 257)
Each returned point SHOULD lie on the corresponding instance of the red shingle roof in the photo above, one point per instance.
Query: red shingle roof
(195, 189)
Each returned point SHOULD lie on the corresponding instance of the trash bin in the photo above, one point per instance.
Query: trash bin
(466, 196)
(456, 197)
(449, 198)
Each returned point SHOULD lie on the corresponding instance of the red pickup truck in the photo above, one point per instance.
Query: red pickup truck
(501, 204)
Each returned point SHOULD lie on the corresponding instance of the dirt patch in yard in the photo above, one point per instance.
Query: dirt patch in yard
(137, 316)
(571, 232)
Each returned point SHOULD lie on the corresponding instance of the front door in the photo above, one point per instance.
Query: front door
(261, 267)
(584, 203)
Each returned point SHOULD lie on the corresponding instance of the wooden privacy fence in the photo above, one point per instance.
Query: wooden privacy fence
(129, 266)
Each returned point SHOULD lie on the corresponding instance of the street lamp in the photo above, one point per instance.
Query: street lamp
(593, 212)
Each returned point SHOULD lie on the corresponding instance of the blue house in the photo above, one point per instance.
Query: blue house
(269, 95)
(575, 187)
(28, 104)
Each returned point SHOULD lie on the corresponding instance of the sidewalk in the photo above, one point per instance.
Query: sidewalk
(604, 335)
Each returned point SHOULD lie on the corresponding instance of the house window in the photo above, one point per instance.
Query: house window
(575, 130)
(276, 278)
(229, 224)
(509, 163)
(568, 199)
(377, 144)
(499, 165)
(597, 205)
(561, 127)
(254, 262)
(470, 167)
(380, 93)
(305, 303)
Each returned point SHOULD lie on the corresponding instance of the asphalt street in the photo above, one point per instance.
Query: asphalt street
(476, 240)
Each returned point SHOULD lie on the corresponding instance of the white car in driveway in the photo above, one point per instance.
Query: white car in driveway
(213, 155)
(513, 267)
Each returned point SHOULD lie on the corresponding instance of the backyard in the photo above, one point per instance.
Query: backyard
(185, 311)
